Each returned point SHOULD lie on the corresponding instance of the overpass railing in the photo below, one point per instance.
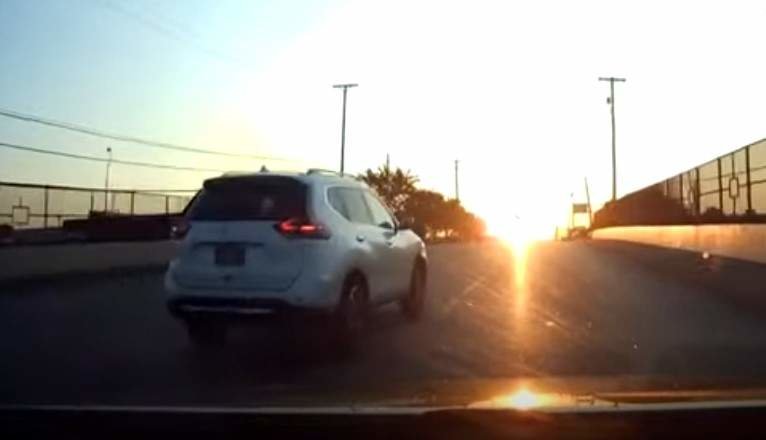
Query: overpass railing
(728, 189)
(47, 206)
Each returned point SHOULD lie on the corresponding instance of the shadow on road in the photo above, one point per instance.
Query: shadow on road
(267, 355)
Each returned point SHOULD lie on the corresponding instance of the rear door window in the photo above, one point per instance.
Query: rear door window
(349, 202)
(335, 197)
(249, 198)
(380, 215)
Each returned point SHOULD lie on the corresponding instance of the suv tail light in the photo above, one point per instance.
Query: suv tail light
(301, 228)
(179, 229)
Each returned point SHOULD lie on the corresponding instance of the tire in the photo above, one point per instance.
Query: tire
(412, 306)
(206, 334)
(351, 314)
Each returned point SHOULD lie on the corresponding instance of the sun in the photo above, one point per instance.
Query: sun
(518, 233)
(524, 399)
(520, 222)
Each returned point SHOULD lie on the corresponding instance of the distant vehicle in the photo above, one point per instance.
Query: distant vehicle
(576, 233)
(285, 244)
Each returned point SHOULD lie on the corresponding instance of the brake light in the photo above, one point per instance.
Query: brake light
(303, 228)
(308, 229)
(179, 229)
(288, 227)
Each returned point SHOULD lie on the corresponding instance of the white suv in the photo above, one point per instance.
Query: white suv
(277, 244)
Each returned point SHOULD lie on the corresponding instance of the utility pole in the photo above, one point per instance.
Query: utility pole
(571, 212)
(388, 161)
(345, 88)
(106, 181)
(610, 101)
(587, 199)
(457, 187)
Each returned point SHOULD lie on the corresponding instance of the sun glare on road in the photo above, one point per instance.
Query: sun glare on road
(519, 254)
(519, 241)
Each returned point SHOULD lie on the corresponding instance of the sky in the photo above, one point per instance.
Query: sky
(508, 88)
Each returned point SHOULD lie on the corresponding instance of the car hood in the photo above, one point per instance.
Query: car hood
(624, 393)
(579, 394)
(586, 394)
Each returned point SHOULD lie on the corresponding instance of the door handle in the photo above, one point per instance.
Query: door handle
(360, 238)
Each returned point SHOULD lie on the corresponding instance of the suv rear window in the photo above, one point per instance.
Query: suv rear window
(249, 198)
(349, 202)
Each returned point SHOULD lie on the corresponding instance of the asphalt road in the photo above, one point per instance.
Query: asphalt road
(627, 315)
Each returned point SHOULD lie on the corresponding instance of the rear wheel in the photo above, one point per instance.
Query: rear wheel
(206, 333)
(412, 306)
(351, 313)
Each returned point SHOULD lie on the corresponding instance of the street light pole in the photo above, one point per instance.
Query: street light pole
(610, 101)
(345, 88)
(457, 187)
(587, 198)
(106, 180)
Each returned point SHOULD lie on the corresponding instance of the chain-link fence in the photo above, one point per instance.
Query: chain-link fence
(729, 189)
(47, 206)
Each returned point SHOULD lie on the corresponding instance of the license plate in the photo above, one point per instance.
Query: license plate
(229, 255)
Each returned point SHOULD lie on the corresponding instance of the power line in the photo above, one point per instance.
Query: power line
(102, 160)
(83, 188)
(125, 138)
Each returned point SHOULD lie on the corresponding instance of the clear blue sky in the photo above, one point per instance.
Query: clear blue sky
(147, 68)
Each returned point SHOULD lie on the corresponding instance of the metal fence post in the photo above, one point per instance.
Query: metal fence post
(720, 186)
(132, 202)
(735, 178)
(681, 188)
(697, 192)
(45, 207)
(92, 202)
(167, 204)
(747, 179)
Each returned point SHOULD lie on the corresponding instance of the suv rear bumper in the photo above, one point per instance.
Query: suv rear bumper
(304, 297)
(241, 308)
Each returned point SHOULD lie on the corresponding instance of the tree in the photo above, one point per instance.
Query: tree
(429, 214)
(394, 187)
(423, 209)
(471, 227)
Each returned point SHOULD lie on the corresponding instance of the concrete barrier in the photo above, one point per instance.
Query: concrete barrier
(745, 242)
(26, 262)
(23, 262)
(742, 241)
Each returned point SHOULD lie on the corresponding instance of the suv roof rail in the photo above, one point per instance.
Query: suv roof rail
(323, 171)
